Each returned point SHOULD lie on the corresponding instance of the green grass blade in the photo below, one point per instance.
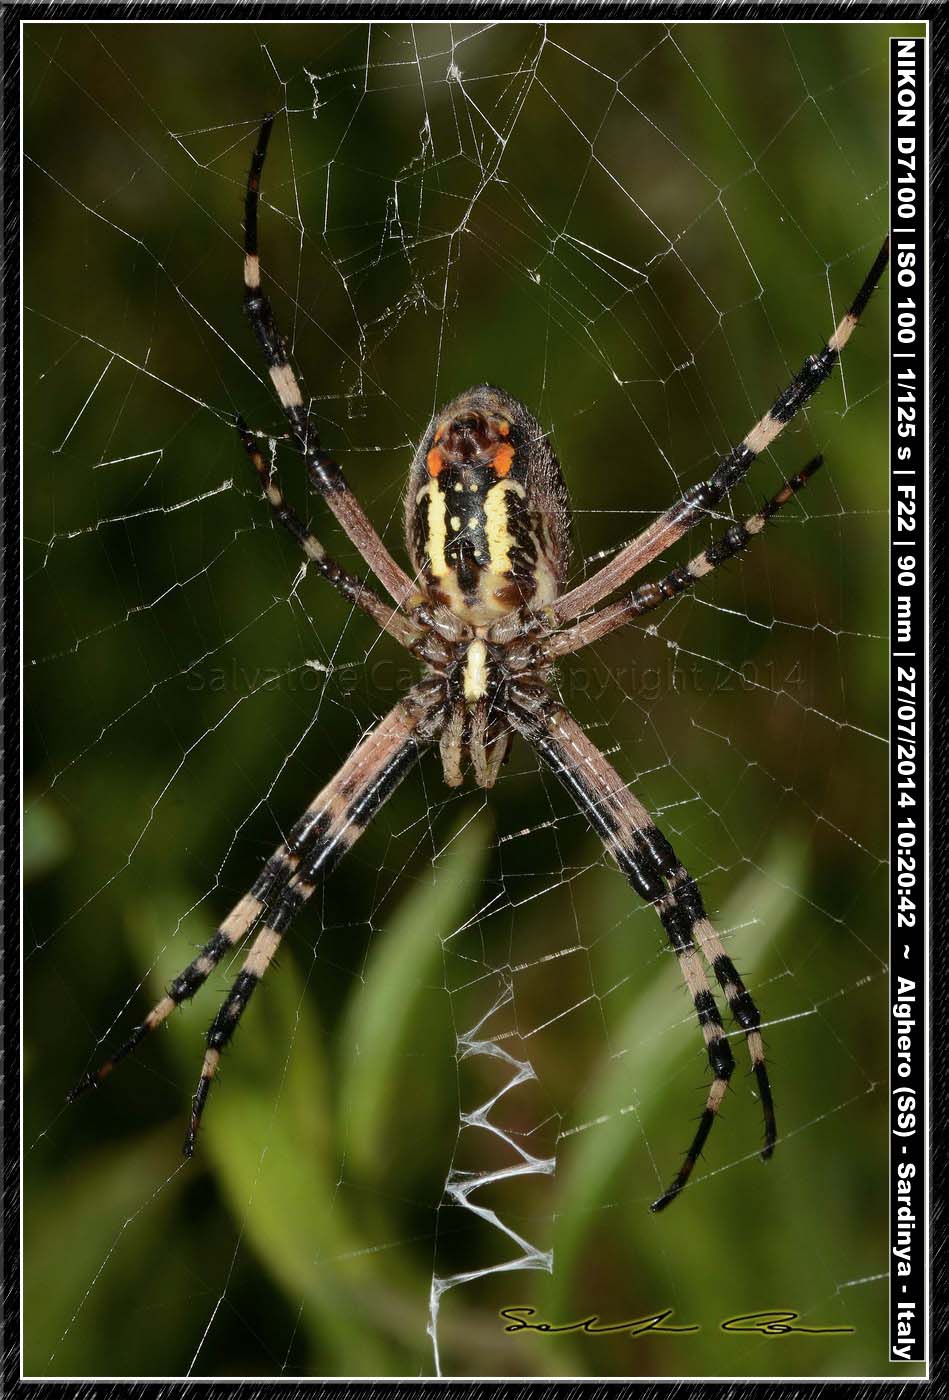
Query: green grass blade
(400, 1011)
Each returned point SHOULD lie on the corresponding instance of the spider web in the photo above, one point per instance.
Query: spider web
(474, 1066)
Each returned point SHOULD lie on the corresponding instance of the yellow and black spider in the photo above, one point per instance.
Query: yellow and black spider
(487, 525)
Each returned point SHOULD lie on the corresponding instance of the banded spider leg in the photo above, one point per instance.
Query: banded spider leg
(330, 826)
(655, 872)
(699, 500)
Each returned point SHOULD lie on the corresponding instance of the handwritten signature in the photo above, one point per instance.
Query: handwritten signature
(776, 1322)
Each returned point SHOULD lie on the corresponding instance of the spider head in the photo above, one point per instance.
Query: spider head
(477, 444)
(487, 516)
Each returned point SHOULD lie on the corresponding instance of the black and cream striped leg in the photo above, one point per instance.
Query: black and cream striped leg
(333, 824)
(695, 505)
(242, 919)
(649, 596)
(651, 866)
(324, 472)
(309, 836)
(353, 589)
(487, 746)
(740, 1004)
(183, 987)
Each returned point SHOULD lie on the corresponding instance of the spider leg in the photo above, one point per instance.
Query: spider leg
(346, 807)
(330, 826)
(653, 869)
(452, 744)
(353, 589)
(649, 596)
(488, 751)
(699, 500)
(325, 474)
(183, 987)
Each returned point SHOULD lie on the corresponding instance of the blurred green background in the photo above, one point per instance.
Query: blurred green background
(641, 231)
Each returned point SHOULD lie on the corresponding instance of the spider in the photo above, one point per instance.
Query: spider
(487, 528)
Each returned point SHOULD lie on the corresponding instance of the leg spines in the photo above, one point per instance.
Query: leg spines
(649, 862)
(811, 375)
(324, 472)
(279, 868)
(353, 589)
(726, 475)
(745, 1013)
(739, 999)
(94, 1078)
(709, 1114)
(285, 908)
(330, 840)
(859, 303)
(199, 1099)
(182, 988)
(705, 1007)
(252, 195)
(222, 1027)
(698, 500)
(649, 596)
(320, 839)
(767, 1105)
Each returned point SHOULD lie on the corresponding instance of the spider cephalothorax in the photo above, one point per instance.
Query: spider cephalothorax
(479, 671)
(485, 612)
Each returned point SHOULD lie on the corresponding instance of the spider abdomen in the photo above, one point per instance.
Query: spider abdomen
(487, 514)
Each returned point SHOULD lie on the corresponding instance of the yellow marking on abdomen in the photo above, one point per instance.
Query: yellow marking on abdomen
(494, 569)
(437, 533)
(499, 538)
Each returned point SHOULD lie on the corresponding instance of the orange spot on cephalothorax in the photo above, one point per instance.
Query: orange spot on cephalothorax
(504, 427)
(435, 461)
(502, 459)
